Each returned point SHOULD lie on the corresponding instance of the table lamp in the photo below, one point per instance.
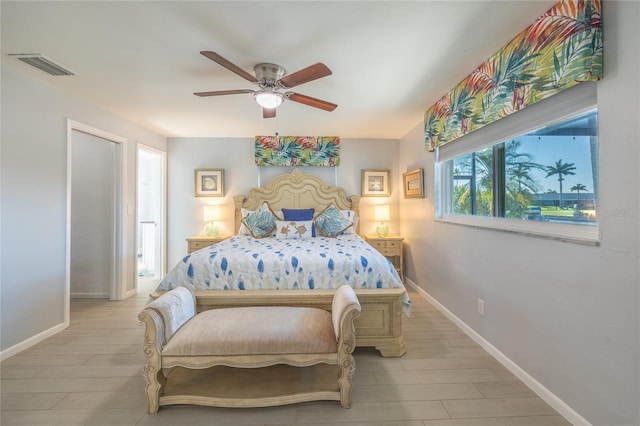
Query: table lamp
(381, 214)
(211, 213)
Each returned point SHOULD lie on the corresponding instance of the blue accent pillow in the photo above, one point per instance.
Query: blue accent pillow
(298, 214)
(331, 222)
(261, 222)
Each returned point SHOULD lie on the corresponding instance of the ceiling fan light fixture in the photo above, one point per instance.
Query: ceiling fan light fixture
(269, 99)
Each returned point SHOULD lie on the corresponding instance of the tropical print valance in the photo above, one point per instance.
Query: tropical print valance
(297, 150)
(561, 49)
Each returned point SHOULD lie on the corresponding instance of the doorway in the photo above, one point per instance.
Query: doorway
(96, 227)
(92, 215)
(150, 217)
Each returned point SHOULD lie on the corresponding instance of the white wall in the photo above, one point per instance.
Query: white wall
(33, 196)
(565, 313)
(236, 157)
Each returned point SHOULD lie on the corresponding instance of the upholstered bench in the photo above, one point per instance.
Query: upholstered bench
(185, 352)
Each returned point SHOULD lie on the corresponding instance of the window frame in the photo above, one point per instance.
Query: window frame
(560, 107)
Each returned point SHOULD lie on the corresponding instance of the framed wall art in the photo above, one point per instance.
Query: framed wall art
(413, 183)
(209, 182)
(375, 183)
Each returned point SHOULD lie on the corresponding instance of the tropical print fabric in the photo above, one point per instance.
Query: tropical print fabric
(245, 212)
(245, 263)
(297, 151)
(260, 223)
(331, 222)
(561, 49)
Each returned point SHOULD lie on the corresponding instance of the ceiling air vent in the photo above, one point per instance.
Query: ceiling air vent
(42, 63)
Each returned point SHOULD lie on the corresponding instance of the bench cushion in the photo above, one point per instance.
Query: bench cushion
(257, 330)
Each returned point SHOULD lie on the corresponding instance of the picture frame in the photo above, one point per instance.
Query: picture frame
(413, 183)
(209, 182)
(375, 183)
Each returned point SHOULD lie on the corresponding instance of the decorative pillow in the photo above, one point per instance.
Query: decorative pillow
(286, 229)
(262, 222)
(351, 216)
(243, 230)
(298, 214)
(331, 222)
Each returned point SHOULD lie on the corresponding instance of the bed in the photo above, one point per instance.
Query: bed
(295, 271)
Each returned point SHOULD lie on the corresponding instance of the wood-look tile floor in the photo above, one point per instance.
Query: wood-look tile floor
(90, 374)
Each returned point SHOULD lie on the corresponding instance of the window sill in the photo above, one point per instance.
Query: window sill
(577, 234)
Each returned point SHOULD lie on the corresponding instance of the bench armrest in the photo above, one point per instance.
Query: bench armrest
(345, 308)
(173, 308)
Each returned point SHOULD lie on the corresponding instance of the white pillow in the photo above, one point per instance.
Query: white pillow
(351, 216)
(287, 229)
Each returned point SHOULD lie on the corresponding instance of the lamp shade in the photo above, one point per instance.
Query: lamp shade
(211, 213)
(381, 213)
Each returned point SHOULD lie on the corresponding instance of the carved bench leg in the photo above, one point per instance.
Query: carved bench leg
(347, 370)
(152, 348)
(156, 381)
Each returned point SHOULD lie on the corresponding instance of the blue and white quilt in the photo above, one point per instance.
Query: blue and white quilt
(245, 263)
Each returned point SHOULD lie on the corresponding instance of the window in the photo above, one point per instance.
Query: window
(544, 180)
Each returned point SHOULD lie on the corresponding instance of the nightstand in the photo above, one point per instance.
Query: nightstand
(391, 247)
(196, 243)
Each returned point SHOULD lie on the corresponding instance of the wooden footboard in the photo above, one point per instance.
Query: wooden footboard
(379, 324)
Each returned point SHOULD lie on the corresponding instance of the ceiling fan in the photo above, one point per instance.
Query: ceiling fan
(271, 80)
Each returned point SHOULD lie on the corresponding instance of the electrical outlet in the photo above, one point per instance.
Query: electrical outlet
(481, 307)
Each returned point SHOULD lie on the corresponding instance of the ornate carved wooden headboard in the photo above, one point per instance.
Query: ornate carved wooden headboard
(296, 191)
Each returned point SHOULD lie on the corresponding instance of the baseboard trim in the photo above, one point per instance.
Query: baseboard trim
(549, 397)
(90, 295)
(130, 293)
(31, 341)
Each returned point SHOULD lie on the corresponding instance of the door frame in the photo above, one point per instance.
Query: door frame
(118, 283)
(163, 214)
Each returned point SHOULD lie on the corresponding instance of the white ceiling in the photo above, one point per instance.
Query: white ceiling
(140, 60)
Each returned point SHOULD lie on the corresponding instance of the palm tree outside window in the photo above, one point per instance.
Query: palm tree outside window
(526, 176)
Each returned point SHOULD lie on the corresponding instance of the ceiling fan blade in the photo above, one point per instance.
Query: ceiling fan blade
(228, 65)
(268, 112)
(308, 100)
(223, 92)
(305, 75)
